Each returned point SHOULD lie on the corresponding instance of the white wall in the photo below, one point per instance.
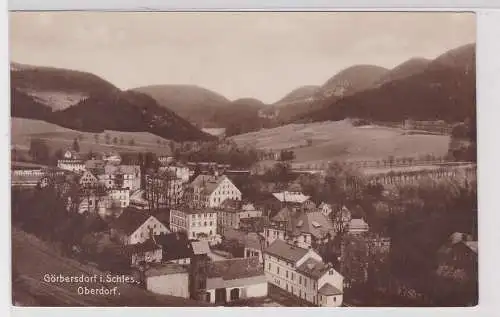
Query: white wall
(171, 284)
(142, 233)
(256, 290)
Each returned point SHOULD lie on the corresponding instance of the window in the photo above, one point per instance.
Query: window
(334, 299)
(305, 281)
(211, 223)
(330, 272)
(277, 270)
(293, 276)
(194, 235)
(300, 279)
(286, 274)
(205, 223)
(269, 267)
(211, 232)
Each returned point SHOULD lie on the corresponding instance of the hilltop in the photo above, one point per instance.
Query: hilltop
(444, 90)
(346, 82)
(84, 102)
(57, 88)
(403, 70)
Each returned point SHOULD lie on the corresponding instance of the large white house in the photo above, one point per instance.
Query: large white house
(133, 227)
(72, 165)
(197, 223)
(302, 273)
(211, 191)
(122, 176)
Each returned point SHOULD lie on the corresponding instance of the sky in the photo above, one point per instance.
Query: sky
(262, 55)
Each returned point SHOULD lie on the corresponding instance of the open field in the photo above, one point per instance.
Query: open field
(23, 130)
(339, 140)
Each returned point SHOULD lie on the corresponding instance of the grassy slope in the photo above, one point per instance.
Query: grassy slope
(32, 258)
(22, 130)
(341, 141)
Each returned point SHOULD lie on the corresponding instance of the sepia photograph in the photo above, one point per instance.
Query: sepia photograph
(243, 159)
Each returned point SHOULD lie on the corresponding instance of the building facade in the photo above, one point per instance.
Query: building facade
(196, 223)
(302, 273)
(211, 191)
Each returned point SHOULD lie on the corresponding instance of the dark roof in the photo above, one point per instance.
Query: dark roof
(166, 269)
(285, 251)
(235, 268)
(148, 245)
(314, 223)
(329, 290)
(231, 204)
(176, 245)
(313, 268)
(130, 220)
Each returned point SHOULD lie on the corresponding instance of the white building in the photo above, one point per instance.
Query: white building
(118, 197)
(112, 158)
(302, 273)
(133, 227)
(196, 223)
(87, 179)
(211, 191)
(76, 166)
(234, 279)
(357, 226)
(122, 176)
(183, 173)
(168, 279)
(291, 197)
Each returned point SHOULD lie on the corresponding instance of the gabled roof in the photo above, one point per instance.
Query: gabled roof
(291, 197)
(358, 224)
(285, 251)
(329, 290)
(130, 220)
(148, 245)
(472, 245)
(231, 205)
(208, 183)
(314, 223)
(313, 268)
(235, 268)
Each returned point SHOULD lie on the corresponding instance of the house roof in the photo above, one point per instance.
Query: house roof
(200, 247)
(314, 223)
(285, 251)
(176, 245)
(248, 207)
(130, 220)
(217, 282)
(291, 197)
(357, 224)
(166, 269)
(313, 268)
(148, 245)
(95, 164)
(328, 290)
(235, 268)
(471, 245)
(231, 205)
(249, 240)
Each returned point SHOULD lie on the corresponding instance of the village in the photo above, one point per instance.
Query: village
(188, 230)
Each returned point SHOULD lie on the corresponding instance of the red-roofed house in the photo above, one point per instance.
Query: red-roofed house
(302, 273)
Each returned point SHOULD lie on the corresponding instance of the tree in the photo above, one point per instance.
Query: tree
(131, 142)
(39, 150)
(96, 138)
(76, 145)
(115, 140)
(107, 138)
(121, 140)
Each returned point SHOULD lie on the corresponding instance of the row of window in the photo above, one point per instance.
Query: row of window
(204, 215)
(291, 276)
(204, 224)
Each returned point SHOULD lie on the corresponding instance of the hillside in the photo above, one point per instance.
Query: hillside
(193, 103)
(84, 102)
(403, 70)
(32, 259)
(24, 130)
(445, 90)
(24, 106)
(298, 95)
(340, 140)
(126, 111)
(57, 88)
(346, 82)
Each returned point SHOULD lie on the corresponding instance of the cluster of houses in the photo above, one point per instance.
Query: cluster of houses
(178, 251)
